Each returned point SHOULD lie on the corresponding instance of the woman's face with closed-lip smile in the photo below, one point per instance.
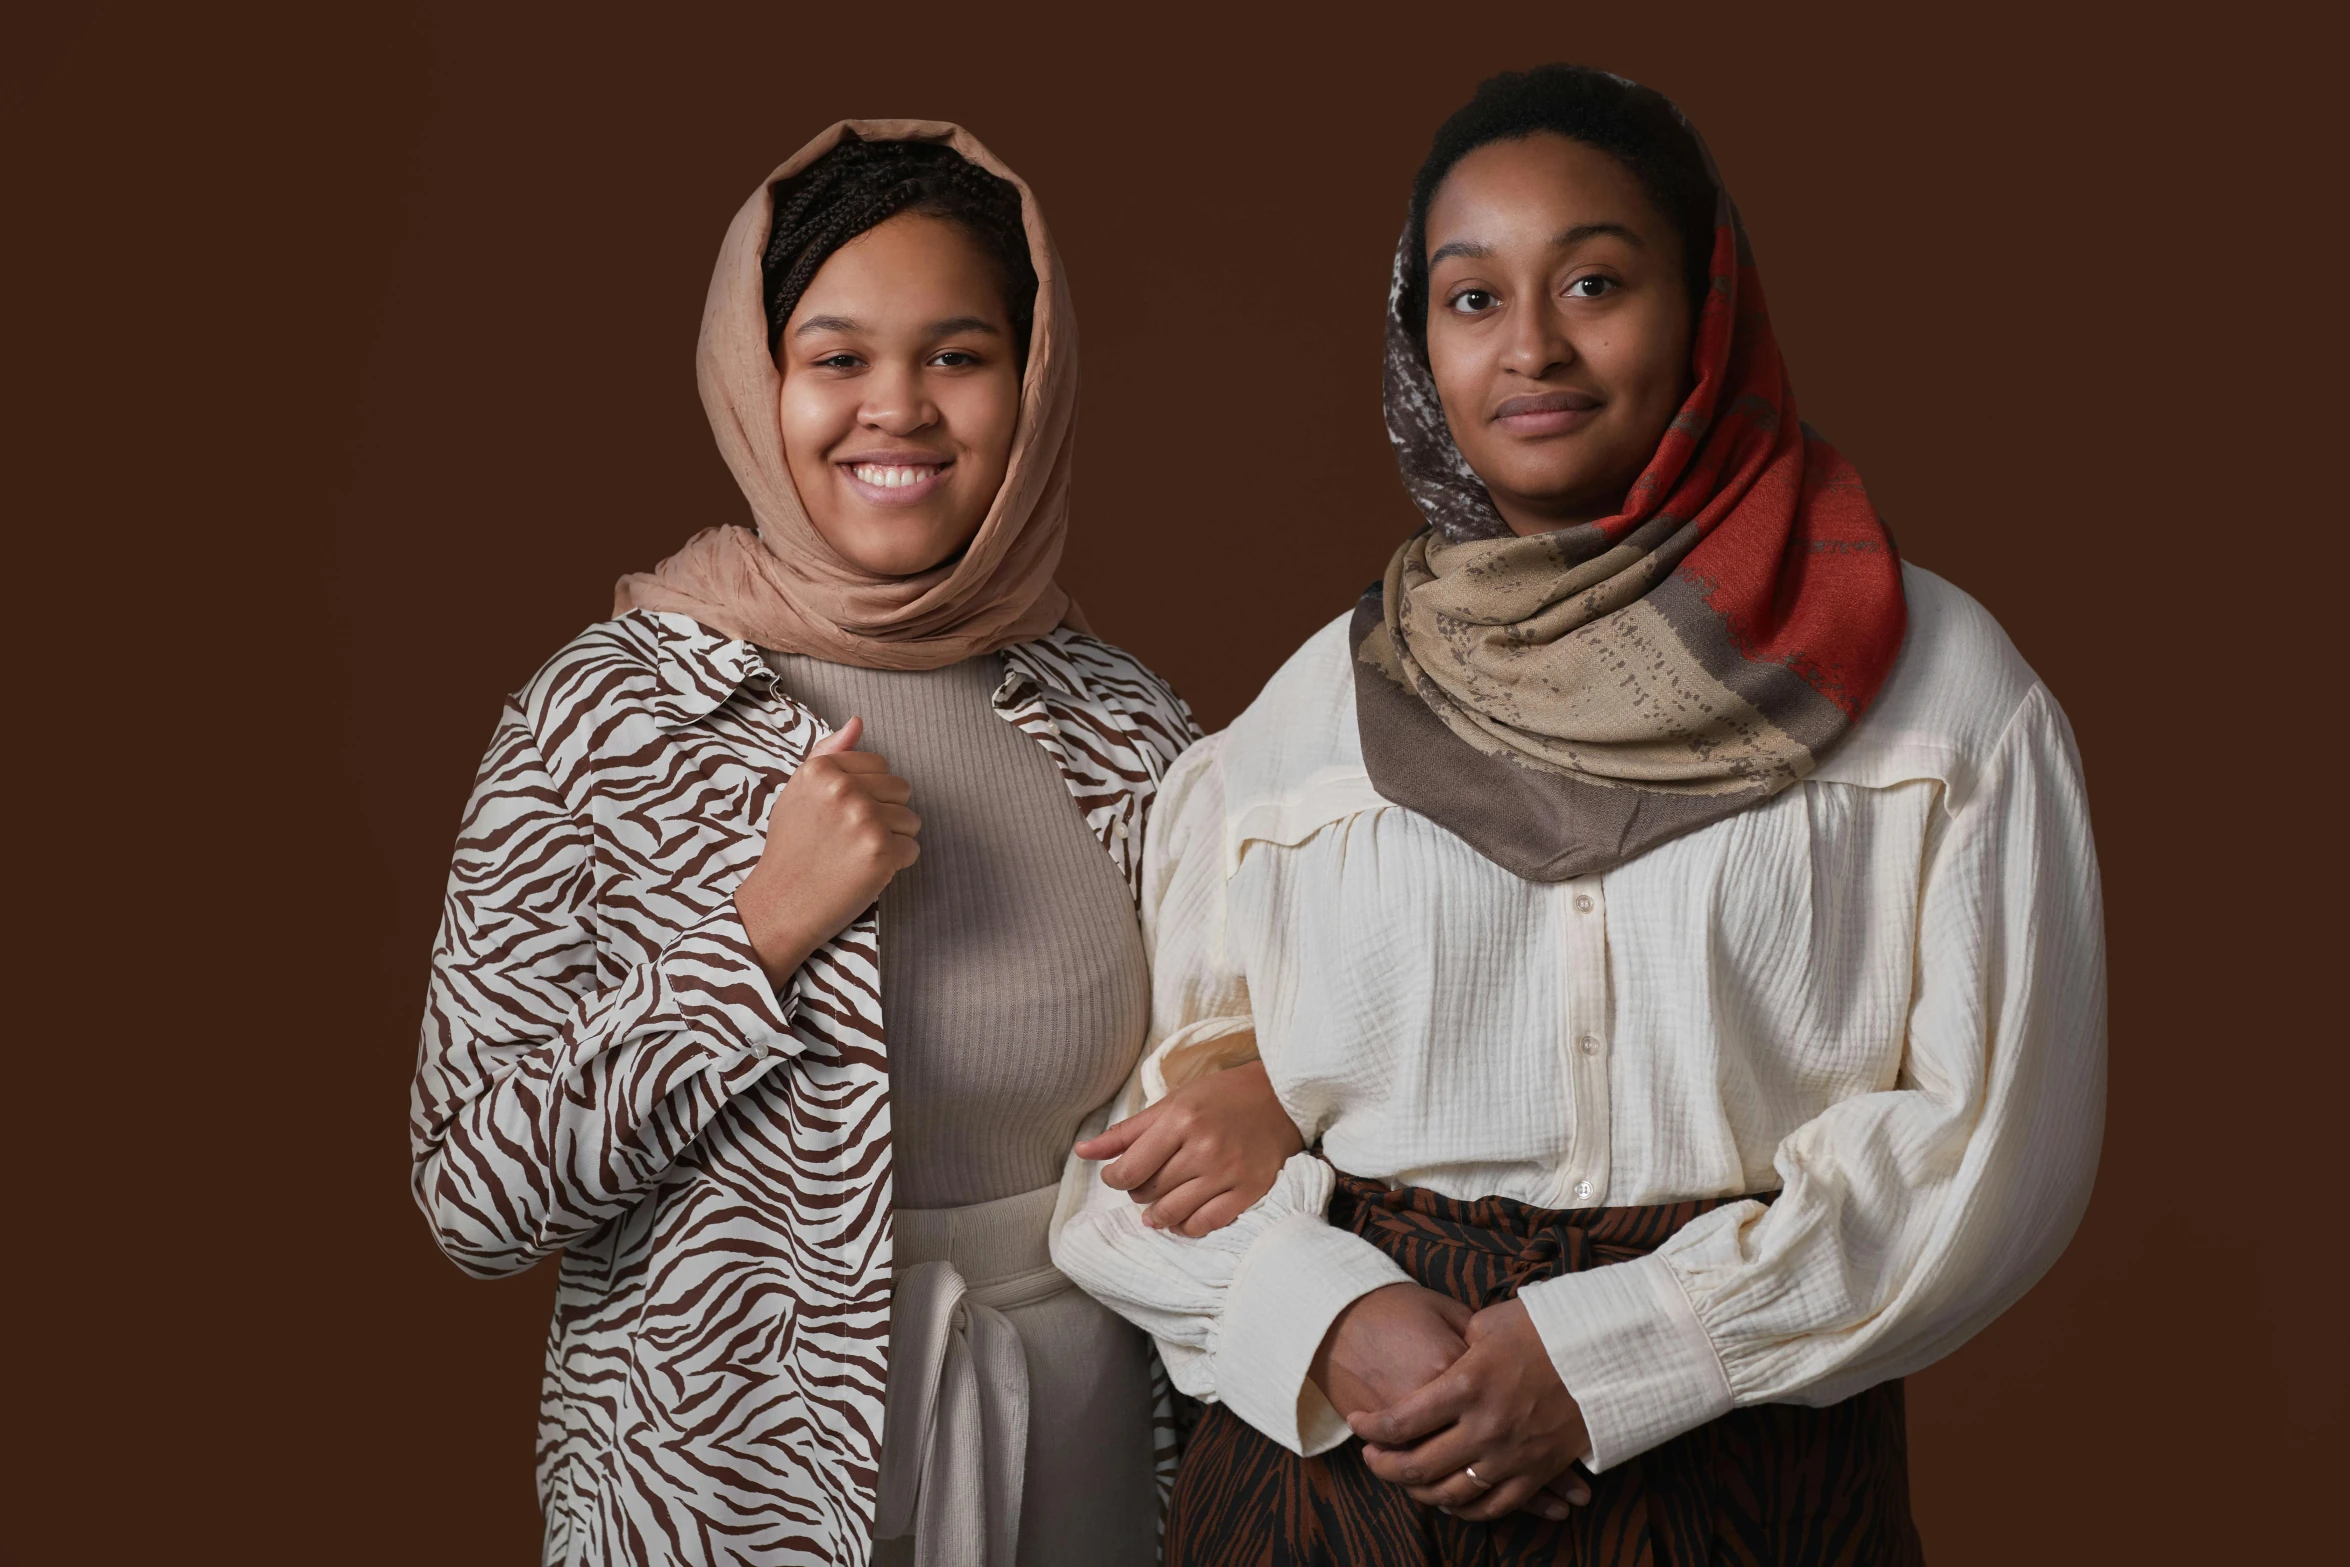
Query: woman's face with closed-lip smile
(901, 392)
(1559, 326)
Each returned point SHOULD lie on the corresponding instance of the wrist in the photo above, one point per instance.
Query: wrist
(1333, 1348)
(780, 942)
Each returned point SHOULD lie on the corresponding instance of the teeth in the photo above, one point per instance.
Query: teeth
(891, 476)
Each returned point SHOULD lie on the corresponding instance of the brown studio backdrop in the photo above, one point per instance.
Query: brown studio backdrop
(353, 362)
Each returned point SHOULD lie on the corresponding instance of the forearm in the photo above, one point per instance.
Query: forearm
(525, 1144)
(1239, 1312)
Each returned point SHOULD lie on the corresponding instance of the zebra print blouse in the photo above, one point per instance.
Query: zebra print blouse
(607, 1072)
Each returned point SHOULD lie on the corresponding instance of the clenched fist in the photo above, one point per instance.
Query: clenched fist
(840, 830)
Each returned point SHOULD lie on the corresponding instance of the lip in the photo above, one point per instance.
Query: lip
(900, 495)
(1547, 413)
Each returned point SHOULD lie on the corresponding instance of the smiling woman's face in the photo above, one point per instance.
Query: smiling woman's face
(901, 390)
(1558, 326)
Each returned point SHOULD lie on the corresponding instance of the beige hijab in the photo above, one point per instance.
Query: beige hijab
(783, 587)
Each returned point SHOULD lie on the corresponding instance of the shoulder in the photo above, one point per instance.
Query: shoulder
(1105, 675)
(1303, 721)
(1954, 692)
(1292, 762)
(1306, 712)
(661, 668)
(607, 652)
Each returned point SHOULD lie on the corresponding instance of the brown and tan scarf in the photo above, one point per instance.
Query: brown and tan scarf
(1567, 701)
(783, 587)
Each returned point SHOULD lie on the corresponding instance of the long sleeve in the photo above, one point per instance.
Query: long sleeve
(545, 1104)
(1238, 1313)
(1911, 1216)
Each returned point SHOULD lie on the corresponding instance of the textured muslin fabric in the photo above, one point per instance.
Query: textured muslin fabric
(1567, 700)
(1019, 1409)
(1879, 993)
(1012, 970)
(783, 587)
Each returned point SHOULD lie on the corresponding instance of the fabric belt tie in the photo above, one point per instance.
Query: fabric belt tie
(1480, 1251)
(954, 1458)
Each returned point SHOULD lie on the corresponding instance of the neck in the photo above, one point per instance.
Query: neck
(1528, 517)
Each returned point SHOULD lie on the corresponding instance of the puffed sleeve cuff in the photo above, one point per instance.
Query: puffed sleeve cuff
(1630, 1349)
(711, 982)
(1290, 1287)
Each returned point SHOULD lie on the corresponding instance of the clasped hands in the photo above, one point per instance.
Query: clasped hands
(1433, 1389)
(1437, 1391)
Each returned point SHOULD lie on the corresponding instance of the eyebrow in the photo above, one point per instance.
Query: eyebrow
(1475, 250)
(1583, 231)
(947, 328)
(1461, 247)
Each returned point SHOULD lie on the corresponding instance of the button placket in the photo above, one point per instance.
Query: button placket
(1582, 913)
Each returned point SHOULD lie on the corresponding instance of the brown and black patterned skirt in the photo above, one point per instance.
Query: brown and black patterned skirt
(1776, 1484)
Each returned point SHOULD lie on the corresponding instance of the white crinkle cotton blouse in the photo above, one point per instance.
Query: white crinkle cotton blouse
(1880, 994)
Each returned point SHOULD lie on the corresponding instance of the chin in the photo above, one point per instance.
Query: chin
(897, 549)
(1551, 495)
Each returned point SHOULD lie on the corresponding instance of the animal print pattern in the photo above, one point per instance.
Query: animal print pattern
(607, 1073)
(1772, 1485)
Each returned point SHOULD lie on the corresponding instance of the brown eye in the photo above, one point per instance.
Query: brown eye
(1592, 287)
(1471, 302)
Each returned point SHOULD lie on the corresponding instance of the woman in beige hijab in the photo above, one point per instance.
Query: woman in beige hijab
(792, 933)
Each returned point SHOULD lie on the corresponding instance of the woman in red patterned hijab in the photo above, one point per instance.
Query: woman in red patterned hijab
(1672, 916)
(1647, 596)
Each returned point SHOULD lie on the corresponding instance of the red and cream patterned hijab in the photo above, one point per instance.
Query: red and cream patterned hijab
(1567, 701)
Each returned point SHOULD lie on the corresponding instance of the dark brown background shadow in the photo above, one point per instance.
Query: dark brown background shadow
(351, 361)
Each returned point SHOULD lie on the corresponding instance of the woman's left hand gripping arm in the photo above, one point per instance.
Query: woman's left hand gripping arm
(1202, 1156)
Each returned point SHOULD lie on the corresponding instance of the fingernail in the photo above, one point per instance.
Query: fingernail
(1580, 1496)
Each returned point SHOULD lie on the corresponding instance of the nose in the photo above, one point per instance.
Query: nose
(1537, 343)
(896, 402)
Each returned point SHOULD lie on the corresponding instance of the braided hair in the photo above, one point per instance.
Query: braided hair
(1635, 125)
(861, 184)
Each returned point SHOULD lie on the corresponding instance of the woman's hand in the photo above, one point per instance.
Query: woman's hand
(1500, 1407)
(1204, 1154)
(840, 830)
(1387, 1346)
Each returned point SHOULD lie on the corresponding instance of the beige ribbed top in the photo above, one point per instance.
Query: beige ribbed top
(1014, 991)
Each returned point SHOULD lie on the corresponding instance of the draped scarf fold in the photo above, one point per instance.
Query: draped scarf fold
(1567, 701)
(782, 586)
